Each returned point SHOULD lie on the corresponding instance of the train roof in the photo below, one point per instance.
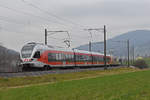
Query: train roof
(49, 47)
(88, 52)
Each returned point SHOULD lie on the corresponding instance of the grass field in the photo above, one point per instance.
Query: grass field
(51, 78)
(118, 84)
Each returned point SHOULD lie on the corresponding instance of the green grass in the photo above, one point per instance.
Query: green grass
(21, 81)
(123, 86)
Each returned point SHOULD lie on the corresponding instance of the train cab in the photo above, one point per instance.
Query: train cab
(29, 55)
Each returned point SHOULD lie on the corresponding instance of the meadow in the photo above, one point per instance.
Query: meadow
(116, 84)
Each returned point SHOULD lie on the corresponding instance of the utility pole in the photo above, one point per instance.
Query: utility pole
(128, 53)
(133, 54)
(90, 46)
(45, 36)
(105, 62)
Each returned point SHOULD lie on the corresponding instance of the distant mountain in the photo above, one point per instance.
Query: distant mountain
(140, 39)
(8, 60)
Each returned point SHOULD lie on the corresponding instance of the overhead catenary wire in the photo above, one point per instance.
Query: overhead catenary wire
(39, 17)
(18, 32)
(30, 14)
(83, 38)
(43, 18)
(51, 14)
(12, 21)
(6, 19)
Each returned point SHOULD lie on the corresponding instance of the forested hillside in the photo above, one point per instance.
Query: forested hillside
(8, 60)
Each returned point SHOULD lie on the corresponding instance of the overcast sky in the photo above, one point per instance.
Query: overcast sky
(23, 21)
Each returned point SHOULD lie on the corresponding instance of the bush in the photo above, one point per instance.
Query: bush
(140, 64)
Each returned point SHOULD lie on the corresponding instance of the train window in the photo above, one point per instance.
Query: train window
(82, 58)
(85, 58)
(72, 57)
(60, 58)
(69, 57)
(90, 58)
(37, 54)
(77, 57)
(63, 57)
(51, 57)
(27, 50)
(94, 58)
(57, 56)
(97, 58)
(107, 59)
(100, 59)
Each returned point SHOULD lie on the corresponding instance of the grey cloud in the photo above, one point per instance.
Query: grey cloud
(108, 8)
(119, 16)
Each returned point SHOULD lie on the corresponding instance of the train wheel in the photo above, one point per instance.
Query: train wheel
(46, 67)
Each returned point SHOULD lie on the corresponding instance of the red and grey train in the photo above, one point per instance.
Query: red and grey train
(45, 56)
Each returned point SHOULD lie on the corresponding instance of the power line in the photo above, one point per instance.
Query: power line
(82, 37)
(64, 39)
(29, 14)
(9, 21)
(57, 38)
(51, 14)
(11, 31)
(6, 19)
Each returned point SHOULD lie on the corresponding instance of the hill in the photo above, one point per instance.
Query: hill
(139, 39)
(8, 59)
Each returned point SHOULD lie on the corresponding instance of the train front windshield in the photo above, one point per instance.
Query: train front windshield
(27, 50)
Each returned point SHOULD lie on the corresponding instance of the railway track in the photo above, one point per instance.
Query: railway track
(53, 71)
